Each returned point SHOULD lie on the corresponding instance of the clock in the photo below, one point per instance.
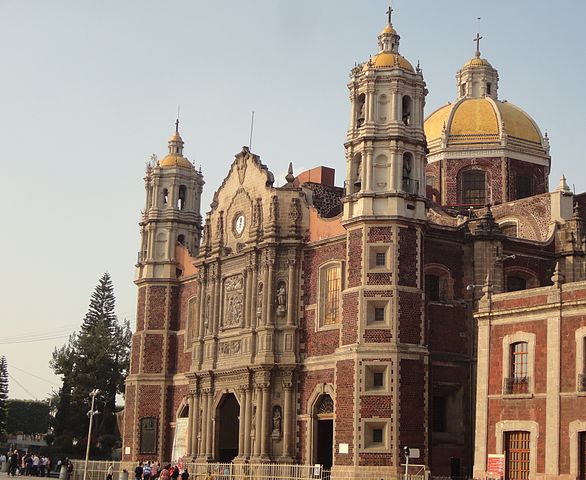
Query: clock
(239, 223)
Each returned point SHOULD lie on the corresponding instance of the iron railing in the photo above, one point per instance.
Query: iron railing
(516, 385)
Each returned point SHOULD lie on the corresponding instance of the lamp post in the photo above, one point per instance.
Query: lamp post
(90, 414)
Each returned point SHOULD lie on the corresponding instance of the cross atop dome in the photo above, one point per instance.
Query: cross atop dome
(390, 14)
(477, 40)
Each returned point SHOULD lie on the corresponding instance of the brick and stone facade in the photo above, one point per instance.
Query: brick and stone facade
(318, 324)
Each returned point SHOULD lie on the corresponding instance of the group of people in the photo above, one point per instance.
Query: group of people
(31, 464)
(152, 470)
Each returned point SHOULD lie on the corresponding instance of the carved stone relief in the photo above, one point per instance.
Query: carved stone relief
(229, 348)
(233, 300)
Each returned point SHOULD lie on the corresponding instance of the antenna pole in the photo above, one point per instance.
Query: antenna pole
(251, 131)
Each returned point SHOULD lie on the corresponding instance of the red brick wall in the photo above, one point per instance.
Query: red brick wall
(140, 308)
(377, 335)
(412, 418)
(312, 260)
(375, 459)
(433, 169)
(149, 405)
(354, 258)
(410, 310)
(129, 426)
(568, 351)
(349, 318)
(379, 278)
(536, 172)
(408, 253)
(135, 353)
(188, 290)
(380, 235)
(156, 310)
(344, 402)
(174, 308)
(454, 169)
(182, 359)
(317, 343)
(571, 408)
(449, 328)
(496, 354)
(152, 360)
(376, 406)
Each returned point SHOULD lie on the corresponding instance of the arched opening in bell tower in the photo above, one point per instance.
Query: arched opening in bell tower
(227, 428)
(406, 110)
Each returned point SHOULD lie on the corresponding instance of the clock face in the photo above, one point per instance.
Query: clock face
(239, 223)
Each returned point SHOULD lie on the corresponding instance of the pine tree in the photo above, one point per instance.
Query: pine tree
(3, 396)
(96, 357)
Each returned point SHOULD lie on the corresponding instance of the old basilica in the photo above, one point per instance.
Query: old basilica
(437, 300)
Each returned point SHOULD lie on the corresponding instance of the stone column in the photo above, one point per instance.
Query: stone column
(217, 288)
(265, 294)
(370, 105)
(247, 422)
(247, 297)
(367, 169)
(213, 306)
(258, 421)
(265, 421)
(483, 369)
(241, 421)
(209, 427)
(190, 403)
(195, 426)
(204, 426)
(202, 305)
(291, 311)
(288, 415)
(253, 292)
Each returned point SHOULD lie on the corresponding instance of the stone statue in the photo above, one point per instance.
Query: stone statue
(281, 296)
(277, 420)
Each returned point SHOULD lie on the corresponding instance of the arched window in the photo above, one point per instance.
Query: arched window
(474, 187)
(165, 197)
(407, 168)
(181, 239)
(406, 110)
(356, 172)
(360, 101)
(182, 197)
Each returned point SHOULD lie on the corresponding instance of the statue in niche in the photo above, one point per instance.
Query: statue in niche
(207, 312)
(281, 298)
(259, 301)
(277, 421)
(253, 421)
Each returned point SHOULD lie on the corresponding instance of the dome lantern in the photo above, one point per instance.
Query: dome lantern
(477, 78)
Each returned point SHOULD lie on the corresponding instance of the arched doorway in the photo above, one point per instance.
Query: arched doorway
(179, 448)
(227, 428)
(323, 413)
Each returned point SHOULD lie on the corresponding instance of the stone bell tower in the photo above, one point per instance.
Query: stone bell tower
(382, 302)
(385, 146)
(171, 223)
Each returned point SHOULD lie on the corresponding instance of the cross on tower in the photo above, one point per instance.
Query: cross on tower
(390, 13)
(177, 126)
(477, 40)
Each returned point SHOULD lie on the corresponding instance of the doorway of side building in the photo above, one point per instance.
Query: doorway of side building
(324, 428)
(227, 428)
(582, 456)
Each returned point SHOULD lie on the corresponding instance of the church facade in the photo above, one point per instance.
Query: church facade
(310, 323)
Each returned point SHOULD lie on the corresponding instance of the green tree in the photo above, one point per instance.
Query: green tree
(27, 416)
(96, 357)
(3, 397)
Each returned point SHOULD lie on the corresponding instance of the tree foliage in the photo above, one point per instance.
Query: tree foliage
(27, 416)
(98, 356)
(3, 396)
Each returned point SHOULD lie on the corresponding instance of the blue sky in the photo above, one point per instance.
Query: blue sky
(89, 90)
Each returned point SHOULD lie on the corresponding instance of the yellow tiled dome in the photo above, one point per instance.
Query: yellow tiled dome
(389, 60)
(172, 160)
(477, 62)
(388, 29)
(480, 120)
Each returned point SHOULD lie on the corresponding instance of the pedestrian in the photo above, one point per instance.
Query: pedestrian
(138, 471)
(146, 471)
(185, 474)
(69, 468)
(165, 473)
(13, 465)
(110, 472)
(155, 468)
(175, 474)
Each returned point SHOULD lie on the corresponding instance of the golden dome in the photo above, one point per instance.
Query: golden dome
(388, 29)
(173, 160)
(481, 120)
(477, 62)
(389, 60)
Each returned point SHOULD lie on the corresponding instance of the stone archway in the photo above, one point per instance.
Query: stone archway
(227, 428)
(323, 414)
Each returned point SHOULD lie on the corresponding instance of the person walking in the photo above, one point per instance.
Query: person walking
(13, 465)
(110, 472)
(138, 471)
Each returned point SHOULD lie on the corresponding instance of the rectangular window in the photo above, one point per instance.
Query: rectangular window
(474, 187)
(439, 414)
(377, 435)
(378, 379)
(379, 314)
(517, 455)
(148, 435)
(332, 295)
(381, 259)
(518, 382)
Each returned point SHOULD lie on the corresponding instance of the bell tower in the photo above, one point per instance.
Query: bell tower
(170, 225)
(172, 212)
(385, 145)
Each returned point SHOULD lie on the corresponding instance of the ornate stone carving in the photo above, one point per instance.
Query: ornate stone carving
(259, 294)
(281, 298)
(277, 421)
(274, 209)
(262, 378)
(230, 348)
(325, 405)
(287, 378)
(233, 301)
(241, 163)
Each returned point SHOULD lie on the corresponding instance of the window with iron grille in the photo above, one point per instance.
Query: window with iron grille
(517, 455)
(381, 259)
(379, 314)
(332, 295)
(474, 187)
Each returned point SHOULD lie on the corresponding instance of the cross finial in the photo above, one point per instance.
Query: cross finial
(477, 40)
(177, 126)
(390, 13)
